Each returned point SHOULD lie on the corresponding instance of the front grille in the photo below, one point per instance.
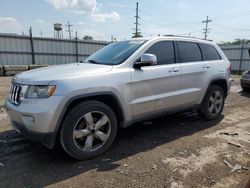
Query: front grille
(15, 91)
(246, 76)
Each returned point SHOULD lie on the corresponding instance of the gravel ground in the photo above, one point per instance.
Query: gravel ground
(181, 150)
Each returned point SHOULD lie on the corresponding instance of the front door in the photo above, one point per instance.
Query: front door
(156, 88)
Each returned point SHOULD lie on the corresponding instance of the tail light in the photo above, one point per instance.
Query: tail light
(230, 67)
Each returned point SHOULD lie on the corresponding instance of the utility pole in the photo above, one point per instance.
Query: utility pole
(69, 29)
(241, 56)
(77, 48)
(32, 46)
(137, 30)
(206, 30)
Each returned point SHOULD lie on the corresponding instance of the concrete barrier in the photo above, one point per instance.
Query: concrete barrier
(16, 67)
(1, 70)
(12, 70)
(11, 73)
(31, 67)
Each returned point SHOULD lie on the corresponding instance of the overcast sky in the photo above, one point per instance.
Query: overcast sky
(103, 18)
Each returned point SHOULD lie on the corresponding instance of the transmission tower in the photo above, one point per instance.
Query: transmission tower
(69, 30)
(137, 32)
(206, 30)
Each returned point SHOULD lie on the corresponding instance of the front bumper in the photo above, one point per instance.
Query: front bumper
(245, 83)
(47, 139)
(36, 118)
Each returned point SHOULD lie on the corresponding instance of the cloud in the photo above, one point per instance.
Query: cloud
(90, 7)
(183, 5)
(81, 23)
(40, 21)
(103, 17)
(77, 6)
(9, 25)
(120, 5)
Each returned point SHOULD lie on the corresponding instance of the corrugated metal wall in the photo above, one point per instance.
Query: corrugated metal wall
(238, 55)
(16, 50)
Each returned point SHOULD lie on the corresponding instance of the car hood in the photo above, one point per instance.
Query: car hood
(43, 76)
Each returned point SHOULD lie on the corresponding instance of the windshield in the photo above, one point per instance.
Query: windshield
(115, 53)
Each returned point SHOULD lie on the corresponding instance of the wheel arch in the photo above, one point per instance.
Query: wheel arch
(222, 82)
(108, 98)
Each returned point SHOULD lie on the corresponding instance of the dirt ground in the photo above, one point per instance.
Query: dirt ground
(181, 150)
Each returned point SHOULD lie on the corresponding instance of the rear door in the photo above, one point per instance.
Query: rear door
(198, 64)
(155, 88)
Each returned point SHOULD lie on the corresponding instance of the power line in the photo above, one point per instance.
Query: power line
(69, 29)
(206, 30)
(137, 30)
(230, 27)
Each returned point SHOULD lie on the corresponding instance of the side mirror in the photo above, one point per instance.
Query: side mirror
(146, 60)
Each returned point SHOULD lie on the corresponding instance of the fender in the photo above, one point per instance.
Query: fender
(82, 96)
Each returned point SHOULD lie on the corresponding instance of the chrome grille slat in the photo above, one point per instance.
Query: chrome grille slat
(15, 93)
(12, 93)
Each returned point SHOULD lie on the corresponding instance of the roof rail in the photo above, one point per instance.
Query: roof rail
(181, 36)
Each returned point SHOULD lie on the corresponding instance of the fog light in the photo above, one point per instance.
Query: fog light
(28, 120)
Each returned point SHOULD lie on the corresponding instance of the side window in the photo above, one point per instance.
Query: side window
(209, 52)
(164, 52)
(189, 51)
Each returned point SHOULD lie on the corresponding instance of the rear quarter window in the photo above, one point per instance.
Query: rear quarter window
(189, 51)
(209, 52)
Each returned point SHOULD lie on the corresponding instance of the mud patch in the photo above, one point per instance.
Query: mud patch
(194, 162)
(238, 134)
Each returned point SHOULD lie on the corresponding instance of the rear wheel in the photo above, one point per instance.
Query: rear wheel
(89, 130)
(213, 103)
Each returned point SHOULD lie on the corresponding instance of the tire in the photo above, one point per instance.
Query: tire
(88, 130)
(245, 88)
(213, 103)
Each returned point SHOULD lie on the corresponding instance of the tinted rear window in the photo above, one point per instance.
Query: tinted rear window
(209, 52)
(189, 51)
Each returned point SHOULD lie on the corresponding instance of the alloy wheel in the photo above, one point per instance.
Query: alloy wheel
(215, 102)
(91, 131)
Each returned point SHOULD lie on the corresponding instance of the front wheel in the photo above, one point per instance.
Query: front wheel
(213, 103)
(89, 130)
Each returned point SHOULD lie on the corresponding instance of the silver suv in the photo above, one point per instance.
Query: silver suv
(83, 104)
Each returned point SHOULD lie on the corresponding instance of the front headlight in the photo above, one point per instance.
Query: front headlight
(40, 91)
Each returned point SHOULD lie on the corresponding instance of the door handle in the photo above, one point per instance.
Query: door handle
(174, 70)
(206, 66)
